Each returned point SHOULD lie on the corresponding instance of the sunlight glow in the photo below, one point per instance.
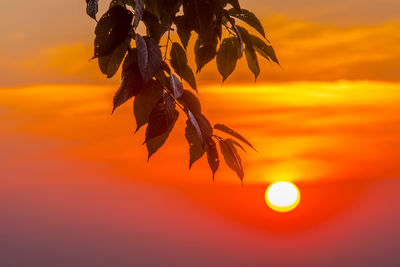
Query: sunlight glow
(282, 196)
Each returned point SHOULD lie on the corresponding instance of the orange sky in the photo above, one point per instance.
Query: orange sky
(314, 42)
(75, 186)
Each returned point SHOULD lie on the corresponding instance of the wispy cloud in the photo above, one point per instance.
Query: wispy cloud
(307, 51)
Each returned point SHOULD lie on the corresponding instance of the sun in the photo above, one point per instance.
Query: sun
(282, 196)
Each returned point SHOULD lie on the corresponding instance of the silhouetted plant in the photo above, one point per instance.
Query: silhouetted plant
(149, 75)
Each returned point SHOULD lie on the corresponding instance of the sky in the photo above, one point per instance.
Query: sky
(51, 42)
(76, 188)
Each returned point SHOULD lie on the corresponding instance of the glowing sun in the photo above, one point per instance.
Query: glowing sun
(282, 196)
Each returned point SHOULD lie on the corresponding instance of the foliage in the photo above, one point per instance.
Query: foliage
(155, 80)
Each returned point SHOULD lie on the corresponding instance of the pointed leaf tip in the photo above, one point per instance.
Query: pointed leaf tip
(92, 7)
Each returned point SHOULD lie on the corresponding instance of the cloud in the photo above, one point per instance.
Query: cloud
(313, 52)
(307, 52)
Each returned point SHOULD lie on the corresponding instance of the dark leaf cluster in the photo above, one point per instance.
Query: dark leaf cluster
(153, 68)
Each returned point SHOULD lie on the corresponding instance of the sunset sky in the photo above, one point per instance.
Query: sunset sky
(76, 188)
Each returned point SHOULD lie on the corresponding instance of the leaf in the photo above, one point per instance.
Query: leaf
(139, 9)
(201, 12)
(111, 30)
(196, 126)
(205, 126)
(238, 33)
(143, 55)
(188, 76)
(160, 118)
(92, 7)
(152, 6)
(265, 50)
(231, 132)
(227, 57)
(204, 54)
(179, 63)
(166, 10)
(252, 61)
(177, 86)
(249, 18)
(212, 156)
(190, 102)
(184, 29)
(145, 101)
(231, 157)
(154, 29)
(235, 4)
(149, 57)
(196, 150)
(245, 35)
(155, 143)
(218, 24)
(236, 144)
(110, 63)
(132, 82)
(178, 58)
(164, 80)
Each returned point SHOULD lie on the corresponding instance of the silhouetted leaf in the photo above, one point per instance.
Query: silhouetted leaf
(205, 126)
(155, 143)
(252, 61)
(160, 118)
(201, 13)
(204, 54)
(146, 75)
(162, 78)
(111, 30)
(231, 132)
(143, 55)
(145, 101)
(110, 63)
(227, 57)
(238, 34)
(196, 126)
(149, 57)
(218, 24)
(188, 76)
(236, 144)
(139, 9)
(190, 101)
(154, 29)
(196, 150)
(132, 82)
(179, 63)
(184, 29)
(178, 58)
(165, 67)
(265, 50)
(249, 18)
(212, 156)
(92, 7)
(152, 6)
(166, 9)
(177, 86)
(235, 4)
(231, 157)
